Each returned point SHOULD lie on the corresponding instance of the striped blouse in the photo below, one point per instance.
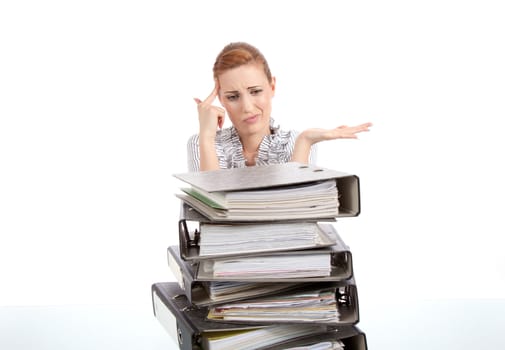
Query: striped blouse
(274, 148)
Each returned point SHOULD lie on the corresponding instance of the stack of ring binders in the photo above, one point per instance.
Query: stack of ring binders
(260, 264)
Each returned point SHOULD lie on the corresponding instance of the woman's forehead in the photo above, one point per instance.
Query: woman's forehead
(242, 77)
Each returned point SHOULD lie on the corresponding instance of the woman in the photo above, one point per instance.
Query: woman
(245, 87)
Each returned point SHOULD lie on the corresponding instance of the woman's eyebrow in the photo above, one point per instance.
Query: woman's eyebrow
(236, 91)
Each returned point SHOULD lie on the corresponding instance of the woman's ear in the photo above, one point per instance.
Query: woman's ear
(272, 84)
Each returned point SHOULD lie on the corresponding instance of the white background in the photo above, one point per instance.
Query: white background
(96, 105)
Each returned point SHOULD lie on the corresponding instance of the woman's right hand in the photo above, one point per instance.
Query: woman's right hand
(210, 117)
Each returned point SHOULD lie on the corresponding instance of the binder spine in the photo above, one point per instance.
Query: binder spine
(182, 272)
(176, 269)
(168, 311)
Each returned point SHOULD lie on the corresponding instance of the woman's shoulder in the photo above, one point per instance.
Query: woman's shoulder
(286, 133)
(193, 141)
(283, 136)
(279, 131)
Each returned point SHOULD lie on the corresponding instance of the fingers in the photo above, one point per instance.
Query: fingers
(357, 128)
(209, 115)
(348, 132)
(360, 128)
(212, 95)
(364, 126)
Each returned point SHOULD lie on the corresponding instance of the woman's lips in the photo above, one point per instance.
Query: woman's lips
(251, 119)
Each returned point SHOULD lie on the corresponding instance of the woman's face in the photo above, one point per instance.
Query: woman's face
(246, 95)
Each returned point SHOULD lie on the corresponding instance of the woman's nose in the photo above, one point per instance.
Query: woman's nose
(247, 103)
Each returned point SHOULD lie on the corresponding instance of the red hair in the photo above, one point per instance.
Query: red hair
(238, 54)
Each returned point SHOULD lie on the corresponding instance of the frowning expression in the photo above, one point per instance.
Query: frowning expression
(246, 94)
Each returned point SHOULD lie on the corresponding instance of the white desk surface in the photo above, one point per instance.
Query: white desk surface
(434, 325)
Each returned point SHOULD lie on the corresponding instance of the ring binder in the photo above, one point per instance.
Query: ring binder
(190, 241)
(346, 306)
(269, 178)
(340, 259)
(191, 325)
(259, 265)
(197, 290)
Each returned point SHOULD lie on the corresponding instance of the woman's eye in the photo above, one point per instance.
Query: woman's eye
(255, 91)
(231, 97)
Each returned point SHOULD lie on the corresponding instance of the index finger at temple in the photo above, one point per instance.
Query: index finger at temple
(212, 95)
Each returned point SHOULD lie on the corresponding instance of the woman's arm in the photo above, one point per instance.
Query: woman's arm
(210, 118)
(208, 157)
(312, 136)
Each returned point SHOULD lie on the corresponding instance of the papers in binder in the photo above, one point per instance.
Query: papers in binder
(313, 200)
(343, 338)
(325, 345)
(288, 191)
(218, 240)
(224, 291)
(318, 306)
(274, 266)
(201, 287)
(251, 339)
(278, 197)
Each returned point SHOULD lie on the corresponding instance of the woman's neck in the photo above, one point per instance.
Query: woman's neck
(250, 146)
(251, 143)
